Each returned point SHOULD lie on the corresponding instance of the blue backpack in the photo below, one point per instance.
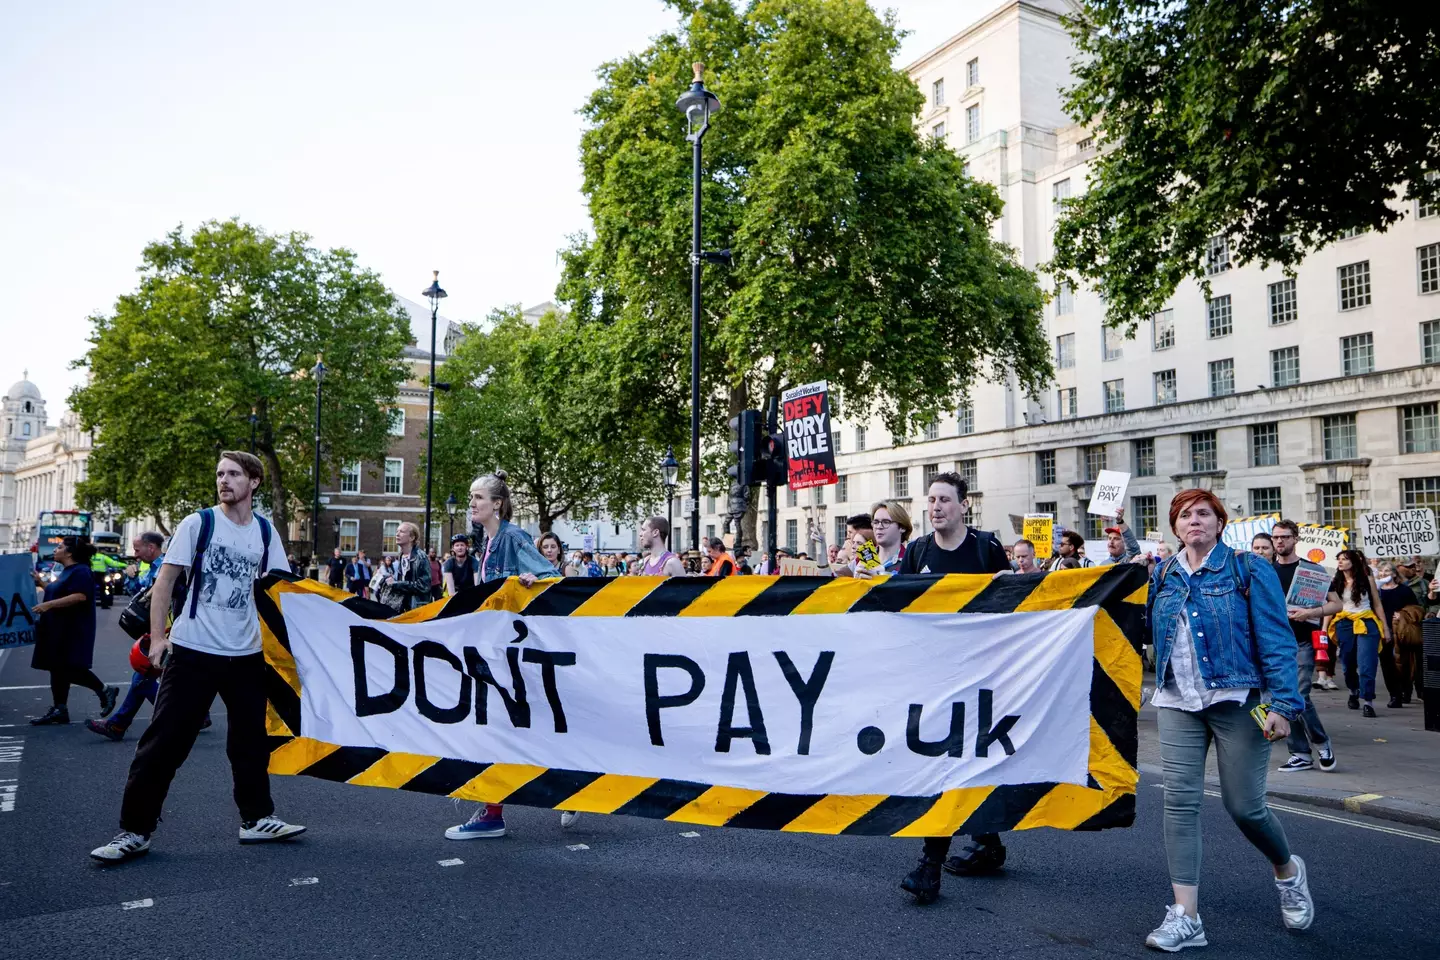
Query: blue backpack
(202, 543)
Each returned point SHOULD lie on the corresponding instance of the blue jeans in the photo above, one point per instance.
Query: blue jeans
(142, 688)
(1362, 650)
(1243, 756)
(1307, 726)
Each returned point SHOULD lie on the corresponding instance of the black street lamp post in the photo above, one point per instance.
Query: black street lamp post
(435, 293)
(698, 105)
(452, 505)
(319, 374)
(669, 471)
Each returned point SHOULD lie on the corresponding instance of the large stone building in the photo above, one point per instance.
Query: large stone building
(1313, 395)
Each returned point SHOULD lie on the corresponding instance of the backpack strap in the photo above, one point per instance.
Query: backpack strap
(1240, 570)
(264, 544)
(982, 541)
(202, 543)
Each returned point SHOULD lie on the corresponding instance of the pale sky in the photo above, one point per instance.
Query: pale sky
(424, 135)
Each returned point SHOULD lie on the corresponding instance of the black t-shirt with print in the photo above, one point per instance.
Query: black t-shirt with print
(923, 556)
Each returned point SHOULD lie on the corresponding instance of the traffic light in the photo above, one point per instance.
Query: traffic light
(745, 441)
(774, 460)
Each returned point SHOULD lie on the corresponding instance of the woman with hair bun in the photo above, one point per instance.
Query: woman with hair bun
(65, 632)
(504, 550)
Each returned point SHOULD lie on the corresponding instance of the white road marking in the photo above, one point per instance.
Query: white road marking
(137, 904)
(122, 684)
(304, 881)
(1317, 815)
(450, 863)
(12, 750)
(577, 846)
(690, 833)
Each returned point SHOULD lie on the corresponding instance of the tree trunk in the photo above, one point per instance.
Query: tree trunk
(279, 502)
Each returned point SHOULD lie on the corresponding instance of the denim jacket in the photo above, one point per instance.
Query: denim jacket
(1239, 641)
(511, 554)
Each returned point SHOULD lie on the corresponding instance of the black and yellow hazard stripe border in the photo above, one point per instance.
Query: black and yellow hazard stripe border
(1106, 800)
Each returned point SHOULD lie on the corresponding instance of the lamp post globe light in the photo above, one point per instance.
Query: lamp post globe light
(434, 293)
(451, 505)
(319, 374)
(254, 416)
(669, 471)
(698, 105)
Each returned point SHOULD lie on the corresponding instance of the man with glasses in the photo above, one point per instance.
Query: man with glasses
(1304, 621)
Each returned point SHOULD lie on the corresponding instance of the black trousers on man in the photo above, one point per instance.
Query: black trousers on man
(187, 688)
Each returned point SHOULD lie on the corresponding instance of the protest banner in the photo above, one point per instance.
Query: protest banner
(916, 706)
(1309, 588)
(1321, 544)
(1400, 533)
(795, 567)
(1239, 531)
(1039, 529)
(17, 596)
(807, 435)
(1109, 493)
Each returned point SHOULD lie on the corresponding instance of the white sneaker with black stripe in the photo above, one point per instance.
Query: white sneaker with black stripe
(268, 829)
(124, 847)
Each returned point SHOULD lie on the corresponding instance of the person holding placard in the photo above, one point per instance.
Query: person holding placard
(1120, 545)
(1307, 600)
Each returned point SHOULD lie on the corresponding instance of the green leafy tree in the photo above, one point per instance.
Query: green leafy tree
(227, 320)
(863, 253)
(525, 399)
(1277, 124)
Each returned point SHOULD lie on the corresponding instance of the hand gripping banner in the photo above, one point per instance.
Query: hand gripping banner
(911, 707)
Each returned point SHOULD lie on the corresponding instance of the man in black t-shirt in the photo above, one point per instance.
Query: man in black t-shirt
(953, 547)
(460, 567)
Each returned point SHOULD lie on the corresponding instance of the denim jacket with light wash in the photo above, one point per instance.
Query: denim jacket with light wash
(1239, 641)
(511, 554)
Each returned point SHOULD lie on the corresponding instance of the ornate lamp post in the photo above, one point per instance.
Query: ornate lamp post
(452, 505)
(434, 293)
(669, 472)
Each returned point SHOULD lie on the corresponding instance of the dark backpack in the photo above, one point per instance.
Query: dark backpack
(202, 543)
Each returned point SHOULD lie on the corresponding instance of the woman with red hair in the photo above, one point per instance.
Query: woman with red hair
(1218, 621)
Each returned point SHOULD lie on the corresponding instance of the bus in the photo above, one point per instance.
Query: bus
(54, 526)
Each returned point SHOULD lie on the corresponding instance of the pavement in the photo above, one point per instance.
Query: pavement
(374, 877)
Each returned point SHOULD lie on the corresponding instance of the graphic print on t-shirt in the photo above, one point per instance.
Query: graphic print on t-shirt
(227, 578)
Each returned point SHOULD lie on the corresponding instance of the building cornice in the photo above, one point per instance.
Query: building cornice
(990, 20)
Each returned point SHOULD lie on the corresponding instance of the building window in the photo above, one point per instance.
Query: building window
(1265, 500)
(900, 482)
(1427, 260)
(1218, 318)
(965, 419)
(817, 495)
(1065, 403)
(1337, 504)
(792, 536)
(972, 73)
(709, 504)
(349, 536)
(709, 530)
(928, 473)
(1430, 341)
(1082, 146)
(835, 440)
(972, 514)
(1094, 461)
(1112, 344)
(25, 429)
(1217, 256)
(1350, 233)
(1164, 387)
(969, 472)
(1044, 467)
(394, 475)
(1094, 527)
(1354, 285)
(1285, 367)
(1418, 492)
(842, 489)
(388, 531)
(792, 497)
(931, 430)
(972, 123)
(937, 93)
(1222, 377)
(1144, 514)
(1144, 454)
(350, 478)
(840, 530)
(397, 422)
(1338, 433)
(1265, 445)
(938, 131)
(1420, 428)
(1059, 193)
(1064, 299)
(1283, 306)
(1202, 451)
(1162, 333)
(1357, 355)
(1114, 396)
(1065, 351)
(859, 439)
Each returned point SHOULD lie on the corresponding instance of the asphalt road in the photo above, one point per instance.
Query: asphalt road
(368, 879)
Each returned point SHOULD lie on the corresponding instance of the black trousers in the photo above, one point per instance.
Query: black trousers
(937, 847)
(62, 677)
(187, 688)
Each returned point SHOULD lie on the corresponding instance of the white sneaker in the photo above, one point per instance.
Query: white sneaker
(1177, 932)
(568, 819)
(268, 829)
(124, 847)
(1297, 907)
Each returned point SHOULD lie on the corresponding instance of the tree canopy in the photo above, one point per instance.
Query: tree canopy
(226, 320)
(863, 253)
(1279, 125)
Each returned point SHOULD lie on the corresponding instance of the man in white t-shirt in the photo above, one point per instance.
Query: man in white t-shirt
(212, 648)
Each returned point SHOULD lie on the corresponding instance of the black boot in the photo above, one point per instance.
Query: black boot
(923, 883)
(107, 701)
(54, 715)
(982, 855)
(1395, 703)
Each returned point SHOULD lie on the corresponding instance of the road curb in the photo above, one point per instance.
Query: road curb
(1397, 809)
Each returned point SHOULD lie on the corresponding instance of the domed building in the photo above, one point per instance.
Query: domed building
(22, 419)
